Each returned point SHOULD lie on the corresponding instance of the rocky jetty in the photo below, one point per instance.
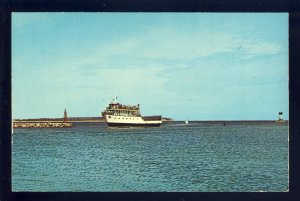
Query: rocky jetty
(41, 124)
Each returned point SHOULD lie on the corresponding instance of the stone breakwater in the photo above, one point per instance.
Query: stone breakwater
(41, 124)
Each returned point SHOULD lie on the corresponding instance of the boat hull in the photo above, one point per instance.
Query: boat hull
(131, 121)
(133, 125)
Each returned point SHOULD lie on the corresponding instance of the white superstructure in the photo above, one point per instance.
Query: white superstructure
(120, 115)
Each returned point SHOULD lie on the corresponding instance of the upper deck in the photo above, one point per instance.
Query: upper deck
(118, 106)
(119, 109)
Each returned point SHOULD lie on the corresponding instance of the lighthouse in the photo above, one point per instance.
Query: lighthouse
(65, 116)
(280, 119)
(280, 116)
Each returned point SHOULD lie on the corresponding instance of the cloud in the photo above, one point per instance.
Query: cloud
(213, 76)
(169, 44)
(252, 48)
(172, 44)
(163, 66)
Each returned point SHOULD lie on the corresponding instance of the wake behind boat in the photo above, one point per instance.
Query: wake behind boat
(118, 115)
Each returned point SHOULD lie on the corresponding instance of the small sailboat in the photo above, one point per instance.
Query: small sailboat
(186, 122)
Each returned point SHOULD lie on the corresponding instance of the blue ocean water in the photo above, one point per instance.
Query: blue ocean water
(197, 157)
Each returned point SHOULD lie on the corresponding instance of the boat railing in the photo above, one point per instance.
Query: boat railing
(120, 106)
(120, 109)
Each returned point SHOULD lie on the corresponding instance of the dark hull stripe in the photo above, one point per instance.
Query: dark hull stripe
(132, 125)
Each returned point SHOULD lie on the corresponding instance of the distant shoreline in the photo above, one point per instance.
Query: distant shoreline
(72, 119)
(100, 119)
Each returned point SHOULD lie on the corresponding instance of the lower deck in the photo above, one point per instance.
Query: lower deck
(133, 124)
(116, 120)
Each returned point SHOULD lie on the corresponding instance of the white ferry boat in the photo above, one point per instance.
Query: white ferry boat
(118, 115)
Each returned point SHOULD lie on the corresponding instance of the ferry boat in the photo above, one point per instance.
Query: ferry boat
(118, 115)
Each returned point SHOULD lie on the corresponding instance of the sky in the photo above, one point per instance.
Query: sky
(186, 66)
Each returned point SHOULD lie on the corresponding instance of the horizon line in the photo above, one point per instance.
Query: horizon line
(168, 119)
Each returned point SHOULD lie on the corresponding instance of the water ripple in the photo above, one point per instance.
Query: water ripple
(174, 157)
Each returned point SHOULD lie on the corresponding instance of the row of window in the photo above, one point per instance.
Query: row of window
(123, 113)
(123, 118)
